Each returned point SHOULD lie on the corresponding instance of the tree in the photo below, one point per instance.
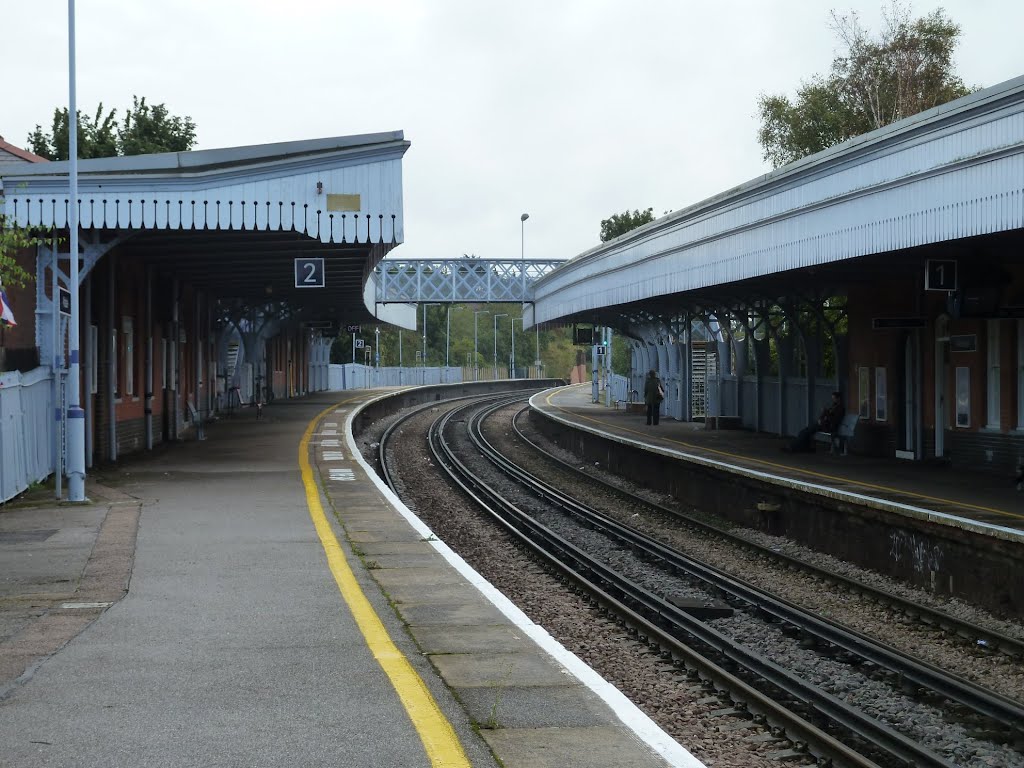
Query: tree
(149, 129)
(146, 129)
(11, 240)
(906, 69)
(621, 223)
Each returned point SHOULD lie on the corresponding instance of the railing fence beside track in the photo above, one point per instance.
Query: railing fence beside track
(26, 430)
(356, 376)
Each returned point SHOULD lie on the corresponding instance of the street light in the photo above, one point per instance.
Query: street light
(522, 258)
(503, 314)
(522, 252)
(75, 414)
(476, 360)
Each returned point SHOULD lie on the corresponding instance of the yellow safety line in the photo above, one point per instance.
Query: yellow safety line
(798, 470)
(439, 739)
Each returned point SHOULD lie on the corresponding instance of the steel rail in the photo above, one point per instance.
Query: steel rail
(986, 638)
(856, 721)
(796, 728)
(981, 700)
(388, 434)
(659, 612)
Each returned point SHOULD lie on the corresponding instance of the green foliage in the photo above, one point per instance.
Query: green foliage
(97, 136)
(149, 129)
(11, 240)
(621, 223)
(556, 350)
(906, 69)
(146, 129)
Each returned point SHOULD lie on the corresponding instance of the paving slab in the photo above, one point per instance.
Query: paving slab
(497, 638)
(591, 747)
(550, 706)
(501, 670)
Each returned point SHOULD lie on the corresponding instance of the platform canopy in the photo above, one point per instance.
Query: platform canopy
(949, 181)
(234, 221)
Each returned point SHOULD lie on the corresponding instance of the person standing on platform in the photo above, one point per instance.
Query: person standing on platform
(654, 393)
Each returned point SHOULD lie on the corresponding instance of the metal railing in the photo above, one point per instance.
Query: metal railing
(459, 280)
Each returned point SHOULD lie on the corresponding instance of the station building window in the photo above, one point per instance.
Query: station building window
(1020, 374)
(128, 347)
(992, 370)
(881, 404)
(864, 392)
(113, 355)
(963, 396)
(94, 345)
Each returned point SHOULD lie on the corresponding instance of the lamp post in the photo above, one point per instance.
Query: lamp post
(503, 314)
(522, 253)
(522, 259)
(75, 414)
(476, 360)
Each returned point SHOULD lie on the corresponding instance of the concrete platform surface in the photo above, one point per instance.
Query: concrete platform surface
(188, 615)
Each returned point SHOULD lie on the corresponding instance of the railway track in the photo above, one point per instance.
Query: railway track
(980, 636)
(671, 631)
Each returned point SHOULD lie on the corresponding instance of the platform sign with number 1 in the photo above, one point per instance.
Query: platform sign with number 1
(310, 273)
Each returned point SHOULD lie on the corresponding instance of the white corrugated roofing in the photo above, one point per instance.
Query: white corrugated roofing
(266, 187)
(951, 172)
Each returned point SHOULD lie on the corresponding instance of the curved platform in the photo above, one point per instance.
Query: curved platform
(284, 608)
(931, 516)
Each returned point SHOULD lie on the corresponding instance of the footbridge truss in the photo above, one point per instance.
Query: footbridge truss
(459, 280)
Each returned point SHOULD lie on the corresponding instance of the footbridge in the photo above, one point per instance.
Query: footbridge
(459, 280)
(887, 268)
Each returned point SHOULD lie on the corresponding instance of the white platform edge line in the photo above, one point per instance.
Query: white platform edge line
(631, 716)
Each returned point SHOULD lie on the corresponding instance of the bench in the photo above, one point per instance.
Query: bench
(837, 440)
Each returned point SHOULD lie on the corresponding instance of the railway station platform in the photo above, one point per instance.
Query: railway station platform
(956, 496)
(261, 599)
(904, 502)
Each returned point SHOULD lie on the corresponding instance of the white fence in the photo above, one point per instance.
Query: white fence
(26, 430)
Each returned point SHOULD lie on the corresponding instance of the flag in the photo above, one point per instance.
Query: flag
(6, 315)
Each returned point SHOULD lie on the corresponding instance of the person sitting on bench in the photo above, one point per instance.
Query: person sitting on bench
(828, 421)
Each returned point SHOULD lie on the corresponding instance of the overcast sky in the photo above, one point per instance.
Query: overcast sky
(570, 111)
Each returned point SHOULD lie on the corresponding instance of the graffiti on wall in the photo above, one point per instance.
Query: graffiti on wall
(922, 555)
